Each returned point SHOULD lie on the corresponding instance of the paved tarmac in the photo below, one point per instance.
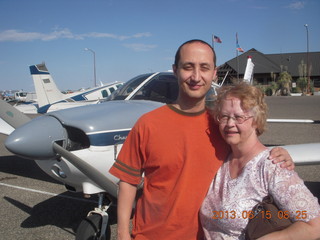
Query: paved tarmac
(35, 207)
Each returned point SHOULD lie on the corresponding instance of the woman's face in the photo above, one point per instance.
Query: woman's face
(236, 125)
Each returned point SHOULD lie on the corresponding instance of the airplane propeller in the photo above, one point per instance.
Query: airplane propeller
(88, 170)
(28, 141)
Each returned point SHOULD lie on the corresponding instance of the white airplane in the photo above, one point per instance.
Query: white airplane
(50, 98)
(92, 140)
(22, 96)
(82, 143)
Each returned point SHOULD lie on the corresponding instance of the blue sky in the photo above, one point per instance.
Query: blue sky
(131, 37)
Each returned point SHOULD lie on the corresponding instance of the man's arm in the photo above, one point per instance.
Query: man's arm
(279, 154)
(126, 196)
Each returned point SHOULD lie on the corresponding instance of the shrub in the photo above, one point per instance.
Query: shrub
(302, 83)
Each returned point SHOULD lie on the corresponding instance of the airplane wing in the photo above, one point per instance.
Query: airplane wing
(5, 128)
(10, 118)
(304, 154)
(279, 120)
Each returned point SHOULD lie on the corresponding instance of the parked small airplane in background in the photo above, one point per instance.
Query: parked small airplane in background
(78, 146)
(50, 98)
(22, 96)
(7, 96)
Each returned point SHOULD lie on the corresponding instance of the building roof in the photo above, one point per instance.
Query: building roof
(267, 63)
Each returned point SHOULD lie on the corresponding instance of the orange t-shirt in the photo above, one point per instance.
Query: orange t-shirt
(177, 153)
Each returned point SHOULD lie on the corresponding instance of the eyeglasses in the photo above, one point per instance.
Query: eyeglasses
(238, 119)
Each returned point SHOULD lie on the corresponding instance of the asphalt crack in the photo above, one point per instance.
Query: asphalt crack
(7, 178)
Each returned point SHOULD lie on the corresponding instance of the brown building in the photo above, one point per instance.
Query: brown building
(268, 66)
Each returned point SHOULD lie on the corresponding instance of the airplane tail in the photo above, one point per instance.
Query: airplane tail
(248, 75)
(46, 89)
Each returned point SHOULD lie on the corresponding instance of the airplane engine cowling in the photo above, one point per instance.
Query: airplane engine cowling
(34, 140)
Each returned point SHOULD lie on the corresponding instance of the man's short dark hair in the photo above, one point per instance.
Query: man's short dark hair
(177, 57)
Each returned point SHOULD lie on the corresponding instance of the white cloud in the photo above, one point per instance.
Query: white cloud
(140, 47)
(139, 35)
(297, 5)
(114, 36)
(18, 36)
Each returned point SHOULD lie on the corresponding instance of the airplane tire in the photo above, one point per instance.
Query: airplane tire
(90, 227)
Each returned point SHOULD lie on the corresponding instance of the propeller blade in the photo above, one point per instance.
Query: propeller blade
(12, 116)
(92, 173)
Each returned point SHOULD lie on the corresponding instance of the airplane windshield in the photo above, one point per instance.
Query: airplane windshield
(22, 94)
(162, 88)
(122, 92)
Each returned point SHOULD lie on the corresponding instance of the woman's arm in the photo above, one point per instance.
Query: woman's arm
(291, 194)
(126, 196)
(298, 230)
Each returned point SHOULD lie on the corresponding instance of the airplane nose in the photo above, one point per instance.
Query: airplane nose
(35, 139)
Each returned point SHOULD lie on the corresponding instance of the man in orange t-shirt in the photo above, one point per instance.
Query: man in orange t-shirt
(178, 150)
(179, 160)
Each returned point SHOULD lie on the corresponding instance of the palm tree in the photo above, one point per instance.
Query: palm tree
(284, 82)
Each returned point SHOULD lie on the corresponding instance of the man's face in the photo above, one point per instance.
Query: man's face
(195, 71)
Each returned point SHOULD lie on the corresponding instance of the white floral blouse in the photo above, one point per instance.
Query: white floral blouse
(226, 209)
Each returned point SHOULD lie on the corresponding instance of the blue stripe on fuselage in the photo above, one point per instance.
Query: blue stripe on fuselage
(108, 138)
(79, 97)
(82, 96)
(44, 109)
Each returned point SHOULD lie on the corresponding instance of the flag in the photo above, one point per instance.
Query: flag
(216, 39)
(239, 49)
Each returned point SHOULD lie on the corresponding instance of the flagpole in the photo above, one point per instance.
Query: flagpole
(237, 64)
(237, 54)
(212, 41)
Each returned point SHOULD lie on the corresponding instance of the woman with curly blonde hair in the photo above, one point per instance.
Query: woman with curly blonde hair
(246, 177)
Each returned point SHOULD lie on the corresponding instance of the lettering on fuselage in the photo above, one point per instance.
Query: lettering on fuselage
(108, 138)
(119, 138)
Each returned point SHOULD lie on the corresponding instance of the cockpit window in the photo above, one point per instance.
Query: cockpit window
(22, 94)
(122, 92)
(162, 88)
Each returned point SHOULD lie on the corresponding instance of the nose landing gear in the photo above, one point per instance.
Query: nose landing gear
(96, 225)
